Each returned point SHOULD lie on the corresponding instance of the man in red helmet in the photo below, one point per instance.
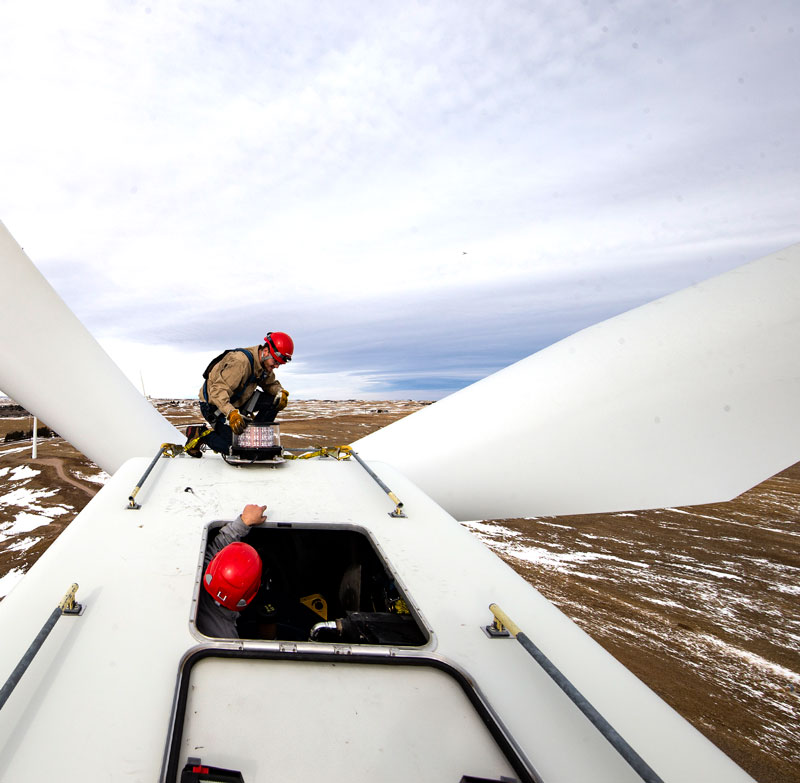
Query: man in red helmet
(231, 575)
(240, 379)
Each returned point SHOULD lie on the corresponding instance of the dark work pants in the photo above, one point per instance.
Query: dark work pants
(221, 438)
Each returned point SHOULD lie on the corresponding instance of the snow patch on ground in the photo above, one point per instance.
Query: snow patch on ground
(22, 545)
(491, 529)
(788, 589)
(25, 522)
(500, 538)
(33, 513)
(23, 472)
(15, 450)
(96, 478)
(661, 601)
(561, 561)
(26, 497)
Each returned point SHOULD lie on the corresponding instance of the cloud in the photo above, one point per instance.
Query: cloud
(377, 178)
(421, 346)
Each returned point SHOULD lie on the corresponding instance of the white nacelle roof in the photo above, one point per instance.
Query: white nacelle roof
(97, 702)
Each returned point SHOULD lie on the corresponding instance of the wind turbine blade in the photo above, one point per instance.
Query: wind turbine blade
(689, 399)
(50, 364)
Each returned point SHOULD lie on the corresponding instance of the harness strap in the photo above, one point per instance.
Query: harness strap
(253, 377)
(193, 443)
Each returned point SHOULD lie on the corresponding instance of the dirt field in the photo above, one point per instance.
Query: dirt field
(700, 603)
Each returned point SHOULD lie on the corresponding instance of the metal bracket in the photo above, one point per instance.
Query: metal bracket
(496, 630)
(68, 603)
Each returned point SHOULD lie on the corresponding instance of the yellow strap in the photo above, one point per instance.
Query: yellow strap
(337, 452)
(171, 449)
(190, 444)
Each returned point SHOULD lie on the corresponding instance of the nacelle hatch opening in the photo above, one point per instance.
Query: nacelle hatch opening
(325, 584)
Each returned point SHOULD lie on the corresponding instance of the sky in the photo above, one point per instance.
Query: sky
(420, 193)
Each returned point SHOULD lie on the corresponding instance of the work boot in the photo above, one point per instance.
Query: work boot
(192, 433)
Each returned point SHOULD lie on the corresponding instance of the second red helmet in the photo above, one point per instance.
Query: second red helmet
(233, 576)
(280, 345)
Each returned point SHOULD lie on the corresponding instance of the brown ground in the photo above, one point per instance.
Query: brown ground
(60, 467)
(701, 603)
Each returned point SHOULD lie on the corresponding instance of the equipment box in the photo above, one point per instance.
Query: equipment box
(259, 442)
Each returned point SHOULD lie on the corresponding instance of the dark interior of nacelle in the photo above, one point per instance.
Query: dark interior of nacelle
(326, 585)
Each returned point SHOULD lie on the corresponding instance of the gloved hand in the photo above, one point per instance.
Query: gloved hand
(281, 398)
(236, 422)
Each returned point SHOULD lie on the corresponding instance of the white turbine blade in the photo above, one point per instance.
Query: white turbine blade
(690, 399)
(50, 364)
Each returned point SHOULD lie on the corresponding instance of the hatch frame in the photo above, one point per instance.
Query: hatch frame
(425, 627)
(172, 753)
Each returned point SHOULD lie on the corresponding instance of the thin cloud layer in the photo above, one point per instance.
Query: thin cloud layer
(418, 193)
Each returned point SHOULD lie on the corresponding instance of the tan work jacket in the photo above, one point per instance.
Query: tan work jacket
(228, 386)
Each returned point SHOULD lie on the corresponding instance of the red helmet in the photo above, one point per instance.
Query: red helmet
(280, 345)
(234, 576)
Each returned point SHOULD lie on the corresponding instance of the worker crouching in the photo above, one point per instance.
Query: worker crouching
(240, 384)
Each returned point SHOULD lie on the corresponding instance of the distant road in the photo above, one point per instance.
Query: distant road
(58, 464)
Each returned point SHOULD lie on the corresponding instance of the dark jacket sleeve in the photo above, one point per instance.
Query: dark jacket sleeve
(227, 534)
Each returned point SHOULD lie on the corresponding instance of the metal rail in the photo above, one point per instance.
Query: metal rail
(637, 763)
(398, 511)
(67, 606)
(132, 497)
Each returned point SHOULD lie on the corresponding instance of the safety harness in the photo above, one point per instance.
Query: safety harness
(216, 360)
